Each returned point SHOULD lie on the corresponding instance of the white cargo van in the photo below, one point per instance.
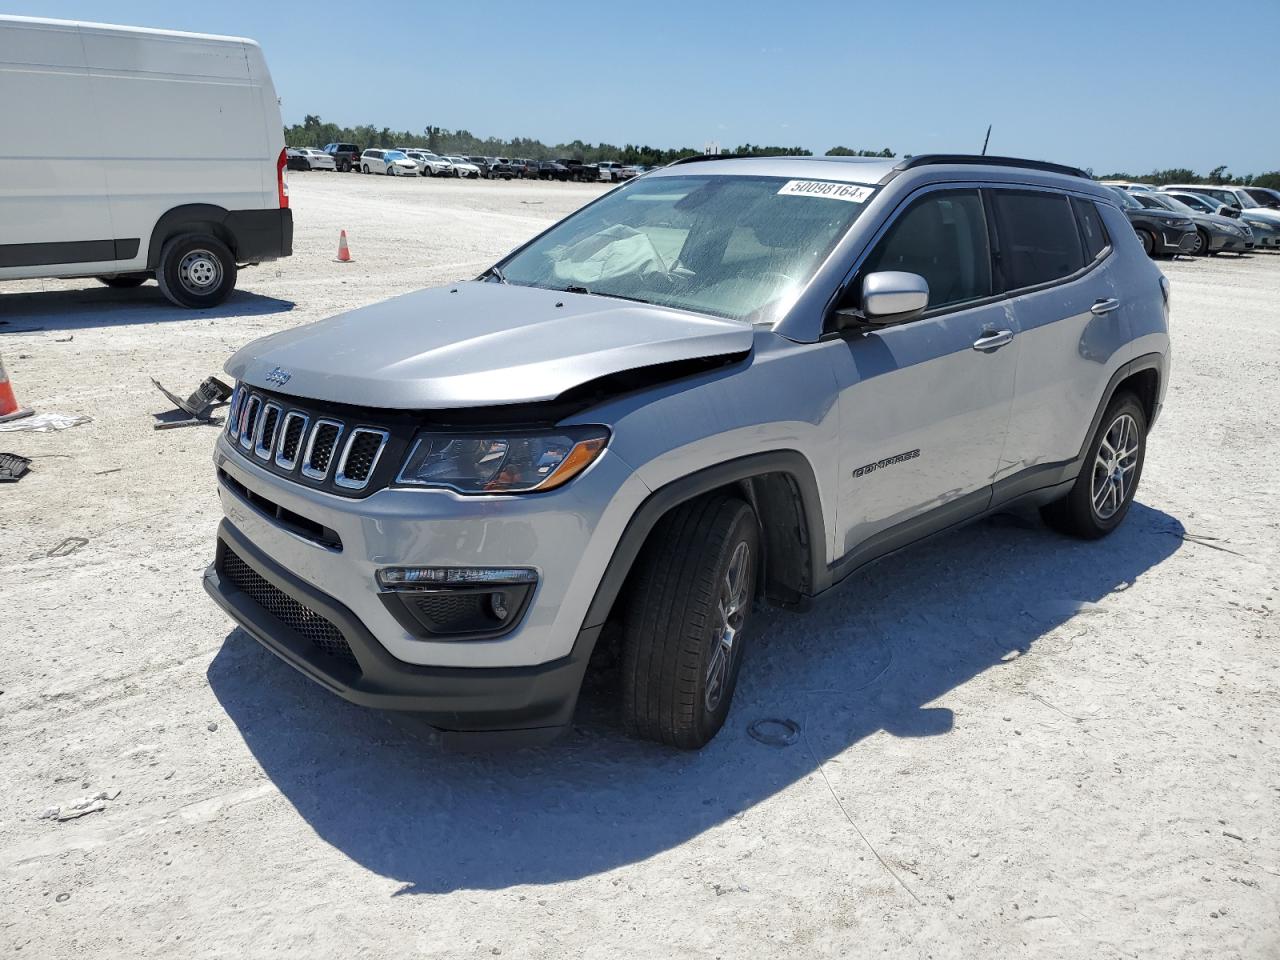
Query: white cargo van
(130, 153)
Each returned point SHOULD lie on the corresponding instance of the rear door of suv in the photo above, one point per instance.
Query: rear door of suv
(924, 404)
(1055, 261)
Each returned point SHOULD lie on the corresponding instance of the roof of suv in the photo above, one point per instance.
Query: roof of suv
(877, 170)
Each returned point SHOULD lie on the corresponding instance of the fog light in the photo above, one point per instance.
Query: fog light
(457, 603)
(498, 604)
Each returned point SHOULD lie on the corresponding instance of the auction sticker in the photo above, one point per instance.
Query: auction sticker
(825, 189)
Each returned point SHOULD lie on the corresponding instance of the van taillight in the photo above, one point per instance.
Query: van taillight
(281, 186)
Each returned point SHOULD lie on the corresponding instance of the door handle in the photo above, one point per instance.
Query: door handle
(1104, 306)
(993, 340)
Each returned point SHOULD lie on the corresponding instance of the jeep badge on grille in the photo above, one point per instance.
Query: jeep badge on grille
(279, 376)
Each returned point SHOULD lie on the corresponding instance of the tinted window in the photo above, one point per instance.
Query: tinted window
(1092, 230)
(943, 238)
(1037, 238)
(1148, 202)
(1263, 198)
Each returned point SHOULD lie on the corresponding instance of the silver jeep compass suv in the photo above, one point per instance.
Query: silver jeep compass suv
(731, 380)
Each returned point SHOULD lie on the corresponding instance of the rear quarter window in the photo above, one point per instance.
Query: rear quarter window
(1092, 230)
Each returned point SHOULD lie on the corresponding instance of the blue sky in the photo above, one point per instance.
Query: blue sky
(1119, 85)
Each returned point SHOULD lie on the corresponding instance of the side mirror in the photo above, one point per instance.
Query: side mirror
(888, 297)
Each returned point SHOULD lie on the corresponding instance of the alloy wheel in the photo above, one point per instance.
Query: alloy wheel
(1114, 465)
(731, 608)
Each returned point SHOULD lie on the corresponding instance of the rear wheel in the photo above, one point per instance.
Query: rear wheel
(124, 281)
(196, 271)
(685, 620)
(1100, 498)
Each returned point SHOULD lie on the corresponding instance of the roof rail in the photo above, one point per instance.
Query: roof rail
(699, 157)
(929, 159)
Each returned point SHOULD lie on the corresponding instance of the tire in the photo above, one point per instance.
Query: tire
(1123, 427)
(1148, 242)
(124, 281)
(1201, 248)
(196, 270)
(678, 672)
(364, 168)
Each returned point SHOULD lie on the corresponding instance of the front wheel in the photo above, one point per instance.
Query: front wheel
(196, 271)
(1148, 242)
(1200, 246)
(685, 621)
(1103, 492)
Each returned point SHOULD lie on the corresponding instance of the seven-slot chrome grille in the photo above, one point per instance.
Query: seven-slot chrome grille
(337, 452)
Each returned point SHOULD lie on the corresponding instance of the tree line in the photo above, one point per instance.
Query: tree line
(315, 132)
(1218, 175)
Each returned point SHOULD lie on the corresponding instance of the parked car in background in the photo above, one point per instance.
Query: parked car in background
(393, 163)
(700, 426)
(525, 168)
(1251, 212)
(1162, 232)
(346, 156)
(463, 168)
(502, 168)
(609, 170)
(1128, 185)
(552, 170)
(317, 159)
(631, 171)
(1214, 234)
(580, 171)
(186, 179)
(1265, 196)
(430, 165)
(295, 159)
(1204, 204)
(482, 164)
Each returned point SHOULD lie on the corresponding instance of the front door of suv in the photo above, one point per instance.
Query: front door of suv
(924, 405)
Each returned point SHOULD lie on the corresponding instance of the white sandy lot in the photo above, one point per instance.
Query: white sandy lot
(1014, 744)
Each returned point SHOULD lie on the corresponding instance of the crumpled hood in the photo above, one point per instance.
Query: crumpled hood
(477, 344)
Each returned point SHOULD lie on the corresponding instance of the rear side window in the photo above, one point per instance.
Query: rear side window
(942, 237)
(1037, 237)
(1092, 230)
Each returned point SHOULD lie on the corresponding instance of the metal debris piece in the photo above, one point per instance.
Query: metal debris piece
(198, 407)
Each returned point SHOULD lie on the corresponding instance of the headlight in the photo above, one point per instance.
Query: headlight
(508, 462)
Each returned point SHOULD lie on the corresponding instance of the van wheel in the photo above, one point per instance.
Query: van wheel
(364, 168)
(124, 281)
(685, 621)
(196, 271)
(1100, 498)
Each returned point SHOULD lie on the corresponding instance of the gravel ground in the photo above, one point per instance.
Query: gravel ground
(1013, 744)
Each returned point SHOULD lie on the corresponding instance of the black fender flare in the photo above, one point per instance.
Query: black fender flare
(181, 220)
(791, 463)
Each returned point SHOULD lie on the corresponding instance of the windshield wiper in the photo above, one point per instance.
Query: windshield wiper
(575, 288)
(496, 273)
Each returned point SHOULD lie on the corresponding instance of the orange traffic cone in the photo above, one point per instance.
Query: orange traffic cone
(9, 409)
(344, 255)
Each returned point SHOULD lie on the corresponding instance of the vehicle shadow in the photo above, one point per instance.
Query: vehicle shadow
(99, 306)
(895, 638)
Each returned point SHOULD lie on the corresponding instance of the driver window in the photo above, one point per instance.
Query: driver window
(942, 236)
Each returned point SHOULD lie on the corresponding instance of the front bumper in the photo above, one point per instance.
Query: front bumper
(536, 702)
(1175, 240)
